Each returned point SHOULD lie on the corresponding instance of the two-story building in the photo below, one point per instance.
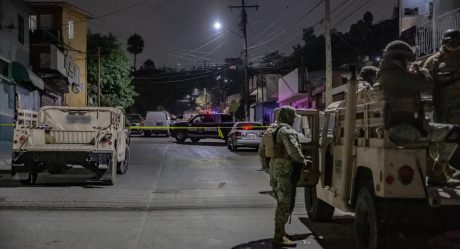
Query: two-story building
(422, 22)
(263, 93)
(19, 86)
(58, 51)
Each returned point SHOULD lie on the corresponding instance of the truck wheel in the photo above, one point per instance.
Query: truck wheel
(317, 209)
(113, 172)
(180, 137)
(122, 167)
(195, 140)
(368, 227)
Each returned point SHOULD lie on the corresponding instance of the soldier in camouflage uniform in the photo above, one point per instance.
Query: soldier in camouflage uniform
(445, 70)
(401, 84)
(367, 78)
(286, 152)
(444, 67)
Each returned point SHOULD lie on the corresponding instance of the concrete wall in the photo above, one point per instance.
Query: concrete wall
(11, 50)
(78, 42)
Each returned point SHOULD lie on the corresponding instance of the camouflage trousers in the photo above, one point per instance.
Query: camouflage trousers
(282, 190)
(440, 151)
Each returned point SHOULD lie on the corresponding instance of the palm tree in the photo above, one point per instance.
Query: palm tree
(135, 46)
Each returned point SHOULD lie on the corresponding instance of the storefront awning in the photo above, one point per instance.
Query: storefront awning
(22, 74)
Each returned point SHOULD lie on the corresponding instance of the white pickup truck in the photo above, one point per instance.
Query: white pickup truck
(58, 138)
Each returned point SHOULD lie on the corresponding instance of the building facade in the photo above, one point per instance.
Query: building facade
(263, 92)
(58, 51)
(422, 22)
(19, 86)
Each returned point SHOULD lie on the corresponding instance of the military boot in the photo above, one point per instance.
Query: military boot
(283, 242)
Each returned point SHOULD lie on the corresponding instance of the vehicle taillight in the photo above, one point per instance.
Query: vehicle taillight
(406, 174)
(22, 139)
(247, 127)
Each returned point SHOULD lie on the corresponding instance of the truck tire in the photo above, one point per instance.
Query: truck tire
(122, 167)
(113, 173)
(369, 230)
(195, 140)
(317, 209)
(180, 137)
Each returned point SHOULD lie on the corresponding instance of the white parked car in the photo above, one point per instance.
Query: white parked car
(245, 134)
(157, 123)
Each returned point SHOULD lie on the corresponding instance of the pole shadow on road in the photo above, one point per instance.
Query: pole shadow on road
(203, 143)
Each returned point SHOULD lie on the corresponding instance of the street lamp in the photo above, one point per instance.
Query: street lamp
(218, 27)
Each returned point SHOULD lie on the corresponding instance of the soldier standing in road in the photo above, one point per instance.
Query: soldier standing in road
(286, 152)
(401, 83)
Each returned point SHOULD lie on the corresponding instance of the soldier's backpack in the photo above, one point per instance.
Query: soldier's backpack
(269, 140)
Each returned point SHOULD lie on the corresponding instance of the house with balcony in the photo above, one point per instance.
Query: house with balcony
(306, 90)
(58, 51)
(263, 95)
(19, 86)
(422, 23)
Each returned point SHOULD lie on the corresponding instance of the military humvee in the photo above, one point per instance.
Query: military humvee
(95, 138)
(363, 171)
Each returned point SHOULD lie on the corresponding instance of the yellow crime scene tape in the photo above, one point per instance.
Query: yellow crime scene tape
(12, 125)
(219, 129)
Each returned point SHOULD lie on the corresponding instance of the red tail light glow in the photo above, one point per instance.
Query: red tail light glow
(406, 174)
(389, 179)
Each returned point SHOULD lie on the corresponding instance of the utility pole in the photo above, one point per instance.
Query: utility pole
(327, 21)
(98, 76)
(244, 22)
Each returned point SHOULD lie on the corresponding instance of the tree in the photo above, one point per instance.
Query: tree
(116, 85)
(233, 107)
(135, 46)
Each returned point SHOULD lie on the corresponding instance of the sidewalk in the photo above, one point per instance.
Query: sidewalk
(5, 156)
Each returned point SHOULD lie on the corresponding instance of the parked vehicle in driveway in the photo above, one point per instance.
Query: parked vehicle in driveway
(135, 123)
(58, 138)
(203, 126)
(157, 123)
(245, 134)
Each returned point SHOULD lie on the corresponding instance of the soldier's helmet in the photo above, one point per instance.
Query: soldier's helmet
(286, 114)
(450, 34)
(399, 49)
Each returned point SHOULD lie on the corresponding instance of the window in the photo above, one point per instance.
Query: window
(21, 29)
(32, 23)
(70, 29)
(46, 22)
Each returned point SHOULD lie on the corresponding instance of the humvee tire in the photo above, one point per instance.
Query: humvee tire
(195, 140)
(122, 166)
(369, 230)
(113, 173)
(317, 209)
(32, 176)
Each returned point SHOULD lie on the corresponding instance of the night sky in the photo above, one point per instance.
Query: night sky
(181, 31)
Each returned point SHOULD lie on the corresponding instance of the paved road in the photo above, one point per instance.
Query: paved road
(173, 196)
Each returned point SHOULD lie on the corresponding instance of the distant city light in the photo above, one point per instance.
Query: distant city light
(225, 80)
(377, 59)
(217, 25)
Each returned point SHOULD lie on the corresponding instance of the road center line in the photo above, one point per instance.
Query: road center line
(152, 193)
